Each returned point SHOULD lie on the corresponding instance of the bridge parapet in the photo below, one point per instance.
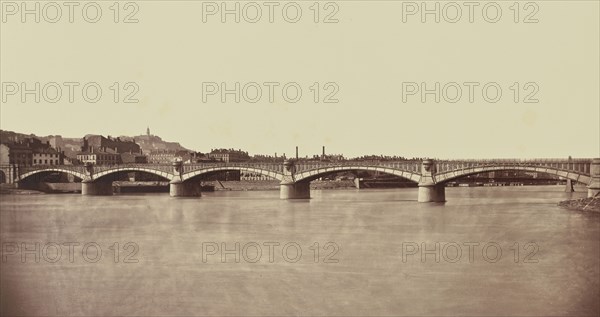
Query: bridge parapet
(272, 167)
(408, 166)
(166, 168)
(580, 166)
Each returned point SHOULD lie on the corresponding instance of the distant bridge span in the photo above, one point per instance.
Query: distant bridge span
(274, 174)
(456, 174)
(295, 177)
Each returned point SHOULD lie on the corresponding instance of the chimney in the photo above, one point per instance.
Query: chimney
(296, 152)
(323, 150)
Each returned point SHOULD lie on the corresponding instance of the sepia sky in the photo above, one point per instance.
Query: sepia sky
(367, 56)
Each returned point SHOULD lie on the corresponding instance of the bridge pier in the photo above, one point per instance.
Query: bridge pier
(300, 190)
(91, 188)
(569, 186)
(179, 188)
(431, 193)
(594, 187)
(288, 187)
(429, 190)
(8, 174)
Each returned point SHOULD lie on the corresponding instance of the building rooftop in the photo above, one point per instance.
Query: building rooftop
(46, 151)
(97, 152)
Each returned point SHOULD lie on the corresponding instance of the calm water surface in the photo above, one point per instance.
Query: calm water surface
(557, 274)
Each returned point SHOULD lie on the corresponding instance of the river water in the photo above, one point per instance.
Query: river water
(163, 256)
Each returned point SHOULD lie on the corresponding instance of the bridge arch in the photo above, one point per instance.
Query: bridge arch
(449, 176)
(50, 170)
(127, 169)
(310, 175)
(208, 170)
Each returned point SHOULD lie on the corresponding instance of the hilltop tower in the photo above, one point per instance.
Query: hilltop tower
(148, 131)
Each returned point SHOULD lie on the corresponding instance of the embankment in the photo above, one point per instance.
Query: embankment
(583, 204)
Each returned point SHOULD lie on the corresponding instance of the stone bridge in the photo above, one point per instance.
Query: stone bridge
(295, 176)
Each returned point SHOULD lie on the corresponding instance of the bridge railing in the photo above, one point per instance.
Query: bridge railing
(159, 167)
(276, 167)
(409, 166)
(189, 167)
(516, 160)
(581, 166)
(272, 167)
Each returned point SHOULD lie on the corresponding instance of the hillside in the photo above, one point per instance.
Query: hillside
(71, 146)
(150, 143)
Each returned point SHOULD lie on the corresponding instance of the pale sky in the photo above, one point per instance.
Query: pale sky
(368, 54)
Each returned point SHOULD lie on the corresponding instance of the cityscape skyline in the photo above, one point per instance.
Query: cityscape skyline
(308, 150)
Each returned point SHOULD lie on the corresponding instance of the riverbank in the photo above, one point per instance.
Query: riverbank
(583, 204)
(10, 189)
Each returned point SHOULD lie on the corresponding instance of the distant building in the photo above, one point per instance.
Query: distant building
(197, 157)
(29, 151)
(116, 145)
(47, 156)
(230, 155)
(69, 147)
(4, 154)
(100, 150)
(168, 156)
(133, 158)
(99, 157)
(20, 154)
(55, 141)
